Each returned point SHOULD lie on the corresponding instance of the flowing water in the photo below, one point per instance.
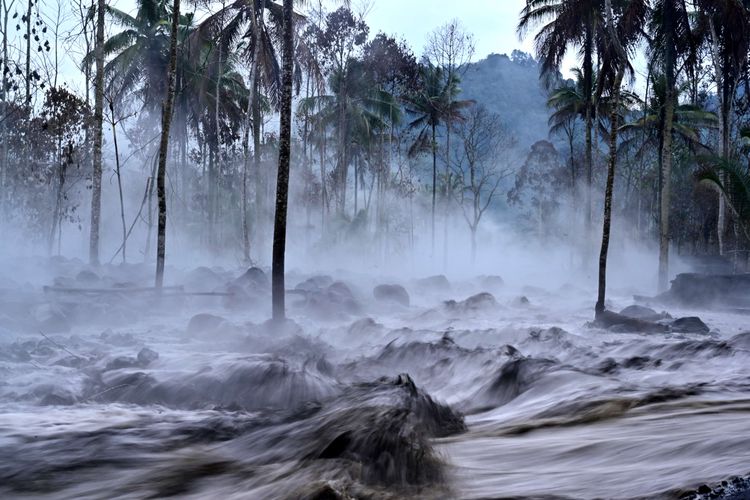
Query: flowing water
(476, 389)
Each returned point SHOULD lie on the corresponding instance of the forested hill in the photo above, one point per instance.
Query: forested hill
(510, 86)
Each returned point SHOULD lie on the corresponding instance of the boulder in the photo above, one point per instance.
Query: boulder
(491, 282)
(645, 313)
(480, 301)
(253, 279)
(707, 290)
(147, 356)
(690, 324)
(391, 293)
(623, 324)
(314, 283)
(438, 283)
(521, 301)
(87, 277)
(204, 322)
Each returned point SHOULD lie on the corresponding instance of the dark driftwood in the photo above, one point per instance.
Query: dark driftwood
(172, 291)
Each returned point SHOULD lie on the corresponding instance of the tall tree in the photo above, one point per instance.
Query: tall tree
(96, 193)
(278, 290)
(728, 23)
(166, 121)
(671, 38)
(431, 105)
(566, 23)
(620, 37)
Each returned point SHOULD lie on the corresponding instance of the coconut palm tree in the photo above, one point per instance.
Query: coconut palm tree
(671, 41)
(621, 36)
(433, 104)
(727, 26)
(166, 120)
(565, 24)
(355, 111)
(140, 52)
(96, 189)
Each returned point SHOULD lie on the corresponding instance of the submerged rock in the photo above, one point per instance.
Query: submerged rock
(253, 279)
(391, 293)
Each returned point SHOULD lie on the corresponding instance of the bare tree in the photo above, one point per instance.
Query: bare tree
(451, 48)
(482, 137)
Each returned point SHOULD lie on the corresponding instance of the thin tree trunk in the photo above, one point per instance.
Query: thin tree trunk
(166, 121)
(608, 193)
(28, 50)
(666, 152)
(723, 130)
(282, 183)
(119, 184)
(434, 187)
(96, 193)
(588, 71)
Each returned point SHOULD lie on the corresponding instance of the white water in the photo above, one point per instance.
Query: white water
(552, 408)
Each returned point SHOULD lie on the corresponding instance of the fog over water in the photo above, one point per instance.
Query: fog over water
(502, 278)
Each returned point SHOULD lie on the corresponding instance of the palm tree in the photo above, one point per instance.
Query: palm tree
(282, 183)
(687, 123)
(433, 104)
(166, 120)
(621, 37)
(96, 189)
(671, 38)
(565, 23)
(356, 112)
(141, 51)
(728, 25)
(569, 104)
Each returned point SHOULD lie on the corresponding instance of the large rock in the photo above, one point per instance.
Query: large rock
(314, 283)
(478, 302)
(690, 324)
(623, 324)
(438, 283)
(707, 290)
(204, 324)
(644, 313)
(391, 293)
(253, 279)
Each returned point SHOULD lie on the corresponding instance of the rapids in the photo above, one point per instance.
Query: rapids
(465, 388)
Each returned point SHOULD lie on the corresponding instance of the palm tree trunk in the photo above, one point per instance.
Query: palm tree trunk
(282, 183)
(723, 130)
(608, 193)
(588, 72)
(96, 189)
(166, 121)
(666, 152)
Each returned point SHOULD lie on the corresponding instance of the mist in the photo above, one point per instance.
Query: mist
(262, 250)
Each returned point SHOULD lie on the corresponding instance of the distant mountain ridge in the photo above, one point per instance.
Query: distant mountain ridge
(510, 87)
